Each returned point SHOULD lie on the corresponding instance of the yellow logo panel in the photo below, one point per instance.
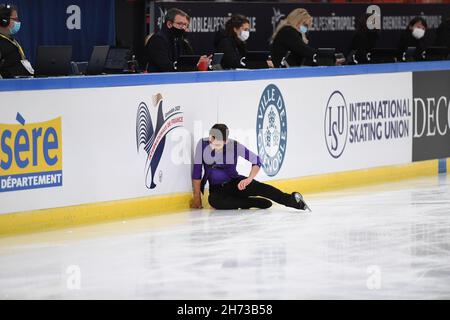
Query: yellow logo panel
(30, 155)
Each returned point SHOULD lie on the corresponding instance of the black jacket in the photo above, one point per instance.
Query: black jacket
(233, 51)
(362, 43)
(163, 49)
(407, 40)
(443, 34)
(10, 61)
(289, 39)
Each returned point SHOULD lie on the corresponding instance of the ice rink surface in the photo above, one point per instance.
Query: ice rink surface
(389, 241)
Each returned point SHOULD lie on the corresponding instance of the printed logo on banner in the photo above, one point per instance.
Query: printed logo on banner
(276, 18)
(271, 130)
(336, 124)
(431, 97)
(204, 21)
(358, 122)
(152, 140)
(161, 18)
(30, 155)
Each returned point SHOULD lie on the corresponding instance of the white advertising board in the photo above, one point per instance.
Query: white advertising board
(334, 124)
(75, 146)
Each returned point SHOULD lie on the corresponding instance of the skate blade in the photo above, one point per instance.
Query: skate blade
(307, 207)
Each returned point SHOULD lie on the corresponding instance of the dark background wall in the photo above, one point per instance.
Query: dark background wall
(125, 23)
(130, 25)
(333, 24)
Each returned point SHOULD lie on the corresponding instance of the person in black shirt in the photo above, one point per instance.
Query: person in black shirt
(363, 41)
(290, 36)
(443, 34)
(231, 41)
(164, 48)
(414, 36)
(13, 62)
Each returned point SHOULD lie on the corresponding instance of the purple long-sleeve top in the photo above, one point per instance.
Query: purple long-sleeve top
(220, 166)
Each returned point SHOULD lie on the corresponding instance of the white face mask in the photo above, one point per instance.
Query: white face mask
(244, 35)
(418, 33)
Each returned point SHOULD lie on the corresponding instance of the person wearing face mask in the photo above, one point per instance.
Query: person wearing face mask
(13, 62)
(218, 156)
(232, 42)
(164, 47)
(290, 36)
(414, 36)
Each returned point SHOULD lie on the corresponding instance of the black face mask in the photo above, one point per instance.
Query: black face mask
(177, 33)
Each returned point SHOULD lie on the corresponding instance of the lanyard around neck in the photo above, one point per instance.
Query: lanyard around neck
(15, 43)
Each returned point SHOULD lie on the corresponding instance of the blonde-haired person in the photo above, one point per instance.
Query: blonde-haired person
(290, 35)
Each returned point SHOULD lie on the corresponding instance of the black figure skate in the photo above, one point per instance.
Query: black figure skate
(298, 202)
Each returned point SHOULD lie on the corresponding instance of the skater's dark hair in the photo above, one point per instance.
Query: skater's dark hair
(219, 131)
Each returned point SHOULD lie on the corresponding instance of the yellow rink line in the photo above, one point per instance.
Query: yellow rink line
(56, 218)
(350, 179)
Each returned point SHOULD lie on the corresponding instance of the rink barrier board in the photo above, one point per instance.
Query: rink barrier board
(358, 178)
(54, 218)
(73, 216)
(216, 76)
(443, 166)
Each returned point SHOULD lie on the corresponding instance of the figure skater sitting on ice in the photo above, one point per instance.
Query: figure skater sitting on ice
(218, 156)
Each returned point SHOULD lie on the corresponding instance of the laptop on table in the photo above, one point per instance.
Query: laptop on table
(97, 61)
(256, 59)
(53, 61)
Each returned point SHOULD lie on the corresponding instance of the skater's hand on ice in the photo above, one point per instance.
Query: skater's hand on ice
(244, 183)
(196, 203)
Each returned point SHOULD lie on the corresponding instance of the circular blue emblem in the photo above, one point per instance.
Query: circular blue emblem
(336, 124)
(271, 130)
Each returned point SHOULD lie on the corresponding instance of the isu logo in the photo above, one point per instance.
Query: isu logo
(152, 140)
(336, 124)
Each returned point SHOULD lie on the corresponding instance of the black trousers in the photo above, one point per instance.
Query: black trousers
(228, 196)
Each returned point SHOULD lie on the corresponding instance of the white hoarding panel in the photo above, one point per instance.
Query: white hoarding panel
(77, 146)
(332, 124)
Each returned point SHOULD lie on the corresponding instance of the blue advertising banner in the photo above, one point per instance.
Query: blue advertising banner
(80, 23)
